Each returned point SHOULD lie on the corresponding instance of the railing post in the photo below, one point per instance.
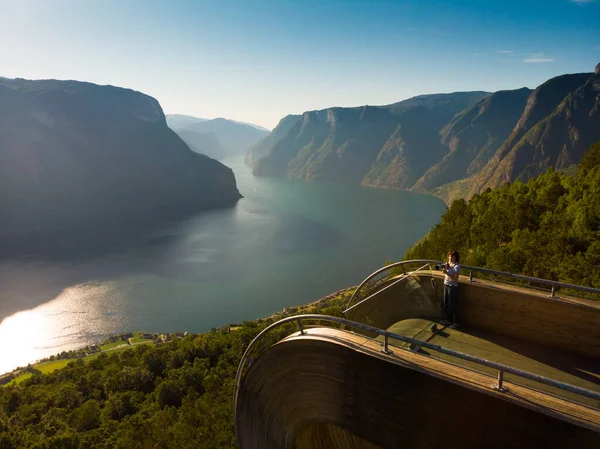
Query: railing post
(386, 349)
(300, 326)
(499, 387)
(403, 269)
(553, 291)
(471, 276)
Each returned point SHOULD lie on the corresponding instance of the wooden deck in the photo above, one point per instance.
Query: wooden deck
(330, 385)
(336, 388)
(586, 415)
(545, 361)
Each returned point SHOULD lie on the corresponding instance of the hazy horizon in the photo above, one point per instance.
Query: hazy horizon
(258, 62)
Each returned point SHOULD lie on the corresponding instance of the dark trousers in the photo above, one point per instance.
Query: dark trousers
(450, 305)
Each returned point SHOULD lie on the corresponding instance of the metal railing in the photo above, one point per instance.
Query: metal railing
(402, 264)
(415, 345)
(400, 279)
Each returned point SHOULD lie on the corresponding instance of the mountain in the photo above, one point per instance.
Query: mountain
(234, 137)
(559, 122)
(262, 147)
(82, 162)
(390, 146)
(180, 121)
(450, 145)
(260, 128)
(203, 143)
(473, 137)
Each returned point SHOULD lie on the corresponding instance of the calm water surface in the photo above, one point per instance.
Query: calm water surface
(286, 243)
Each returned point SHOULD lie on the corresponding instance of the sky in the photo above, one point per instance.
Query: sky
(258, 61)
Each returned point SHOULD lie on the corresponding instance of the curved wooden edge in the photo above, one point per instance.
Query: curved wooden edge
(549, 405)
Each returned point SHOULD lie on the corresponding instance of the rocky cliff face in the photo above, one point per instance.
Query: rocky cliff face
(451, 145)
(79, 160)
(473, 136)
(541, 104)
(559, 140)
(389, 146)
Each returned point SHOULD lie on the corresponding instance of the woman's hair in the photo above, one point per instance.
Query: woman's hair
(455, 255)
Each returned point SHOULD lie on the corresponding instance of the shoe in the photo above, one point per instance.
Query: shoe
(454, 326)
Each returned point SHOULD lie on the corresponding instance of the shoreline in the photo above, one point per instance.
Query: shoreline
(161, 338)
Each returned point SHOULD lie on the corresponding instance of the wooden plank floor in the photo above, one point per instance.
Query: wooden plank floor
(585, 415)
(333, 388)
(548, 362)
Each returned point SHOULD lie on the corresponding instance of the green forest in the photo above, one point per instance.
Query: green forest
(548, 227)
(174, 395)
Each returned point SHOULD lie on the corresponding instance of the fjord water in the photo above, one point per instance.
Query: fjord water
(286, 243)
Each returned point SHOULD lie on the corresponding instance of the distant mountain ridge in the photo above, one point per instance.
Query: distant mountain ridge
(203, 143)
(78, 160)
(181, 121)
(451, 145)
(373, 145)
(233, 137)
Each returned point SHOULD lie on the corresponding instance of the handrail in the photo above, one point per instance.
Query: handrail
(404, 276)
(520, 277)
(419, 343)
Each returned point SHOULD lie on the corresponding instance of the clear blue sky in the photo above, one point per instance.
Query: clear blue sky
(258, 61)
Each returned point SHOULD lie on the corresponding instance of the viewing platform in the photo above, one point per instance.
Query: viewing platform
(523, 370)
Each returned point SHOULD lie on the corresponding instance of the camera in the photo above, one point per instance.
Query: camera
(441, 267)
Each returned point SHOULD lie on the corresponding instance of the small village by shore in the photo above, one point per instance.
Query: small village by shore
(124, 341)
(114, 343)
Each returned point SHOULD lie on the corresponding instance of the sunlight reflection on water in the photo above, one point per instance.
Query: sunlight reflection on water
(33, 334)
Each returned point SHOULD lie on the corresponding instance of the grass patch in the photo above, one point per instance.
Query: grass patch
(45, 368)
(138, 337)
(48, 367)
(113, 345)
(19, 379)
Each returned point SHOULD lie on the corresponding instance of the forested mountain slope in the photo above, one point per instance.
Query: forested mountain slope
(548, 227)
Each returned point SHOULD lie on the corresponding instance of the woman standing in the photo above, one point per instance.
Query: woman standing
(451, 271)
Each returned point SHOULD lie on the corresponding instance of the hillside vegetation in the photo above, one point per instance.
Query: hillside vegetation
(548, 227)
(175, 395)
